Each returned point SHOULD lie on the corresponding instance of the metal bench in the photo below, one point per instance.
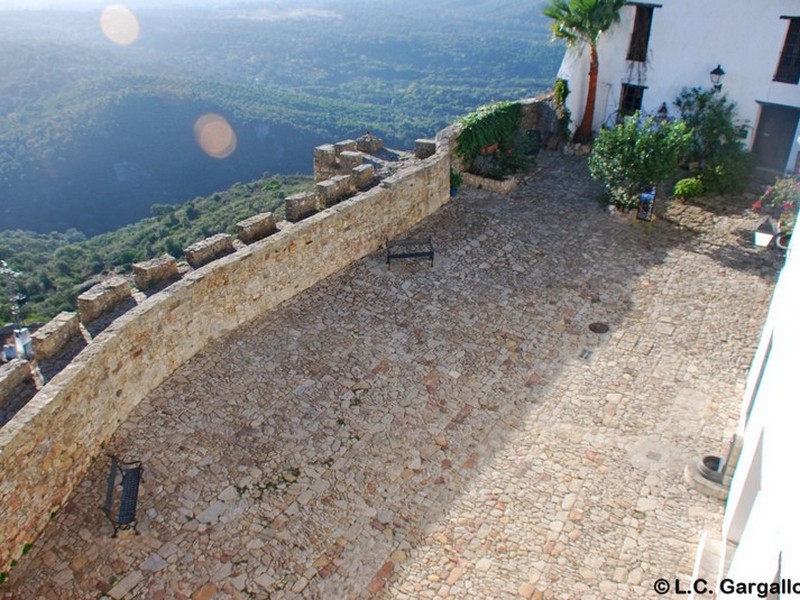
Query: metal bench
(127, 475)
(409, 248)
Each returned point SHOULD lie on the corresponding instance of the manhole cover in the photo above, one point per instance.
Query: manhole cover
(598, 327)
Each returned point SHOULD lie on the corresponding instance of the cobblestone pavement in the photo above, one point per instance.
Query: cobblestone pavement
(454, 431)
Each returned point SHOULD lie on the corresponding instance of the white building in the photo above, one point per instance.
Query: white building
(761, 526)
(659, 48)
(655, 51)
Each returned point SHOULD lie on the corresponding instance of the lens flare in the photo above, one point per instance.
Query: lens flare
(119, 24)
(215, 135)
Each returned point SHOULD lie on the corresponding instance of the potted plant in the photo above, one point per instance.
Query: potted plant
(455, 182)
(782, 199)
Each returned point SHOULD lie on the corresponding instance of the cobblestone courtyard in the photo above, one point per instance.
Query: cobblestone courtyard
(454, 431)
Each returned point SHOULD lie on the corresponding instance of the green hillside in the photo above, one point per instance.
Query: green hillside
(92, 134)
(56, 267)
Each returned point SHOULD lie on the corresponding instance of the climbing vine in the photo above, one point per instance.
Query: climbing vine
(491, 124)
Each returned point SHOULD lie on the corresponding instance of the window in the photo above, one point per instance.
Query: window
(641, 33)
(789, 64)
(630, 99)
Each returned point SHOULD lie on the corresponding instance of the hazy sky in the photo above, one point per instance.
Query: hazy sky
(96, 4)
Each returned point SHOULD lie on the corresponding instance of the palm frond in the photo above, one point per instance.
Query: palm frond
(582, 20)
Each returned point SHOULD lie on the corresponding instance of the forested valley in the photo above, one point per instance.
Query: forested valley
(93, 134)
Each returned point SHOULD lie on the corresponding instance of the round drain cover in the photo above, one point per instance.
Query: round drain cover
(598, 327)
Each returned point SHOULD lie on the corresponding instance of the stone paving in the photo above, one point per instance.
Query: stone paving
(445, 432)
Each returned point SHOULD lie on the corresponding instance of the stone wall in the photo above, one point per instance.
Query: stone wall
(333, 190)
(12, 374)
(343, 157)
(51, 339)
(209, 249)
(48, 446)
(102, 298)
(491, 185)
(538, 115)
(152, 272)
(256, 227)
(301, 205)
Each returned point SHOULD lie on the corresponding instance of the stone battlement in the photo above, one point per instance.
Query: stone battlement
(102, 298)
(47, 447)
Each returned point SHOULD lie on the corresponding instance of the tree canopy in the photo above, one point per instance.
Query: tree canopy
(581, 22)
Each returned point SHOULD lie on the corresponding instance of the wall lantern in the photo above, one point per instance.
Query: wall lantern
(716, 77)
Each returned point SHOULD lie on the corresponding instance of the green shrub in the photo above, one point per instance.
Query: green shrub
(727, 172)
(690, 187)
(637, 154)
(716, 142)
(517, 154)
(487, 165)
(514, 155)
(455, 178)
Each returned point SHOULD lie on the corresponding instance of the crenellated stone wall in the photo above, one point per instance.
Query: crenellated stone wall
(102, 298)
(209, 249)
(152, 272)
(339, 172)
(301, 205)
(334, 190)
(12, 374)
(50, 339)
(47, 447)
(342, 158)
(256, 227)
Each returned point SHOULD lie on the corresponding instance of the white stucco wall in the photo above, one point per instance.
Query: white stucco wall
(761, 512)
(687, 40)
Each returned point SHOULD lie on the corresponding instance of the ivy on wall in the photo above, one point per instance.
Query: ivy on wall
(494, 123)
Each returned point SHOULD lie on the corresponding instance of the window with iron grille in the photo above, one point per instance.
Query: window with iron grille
(630, 99)
(789, 64)
(641, 33)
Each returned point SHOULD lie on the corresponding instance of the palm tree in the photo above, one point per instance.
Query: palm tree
(581, 22)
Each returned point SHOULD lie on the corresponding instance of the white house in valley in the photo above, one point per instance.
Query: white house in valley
(659, 48)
